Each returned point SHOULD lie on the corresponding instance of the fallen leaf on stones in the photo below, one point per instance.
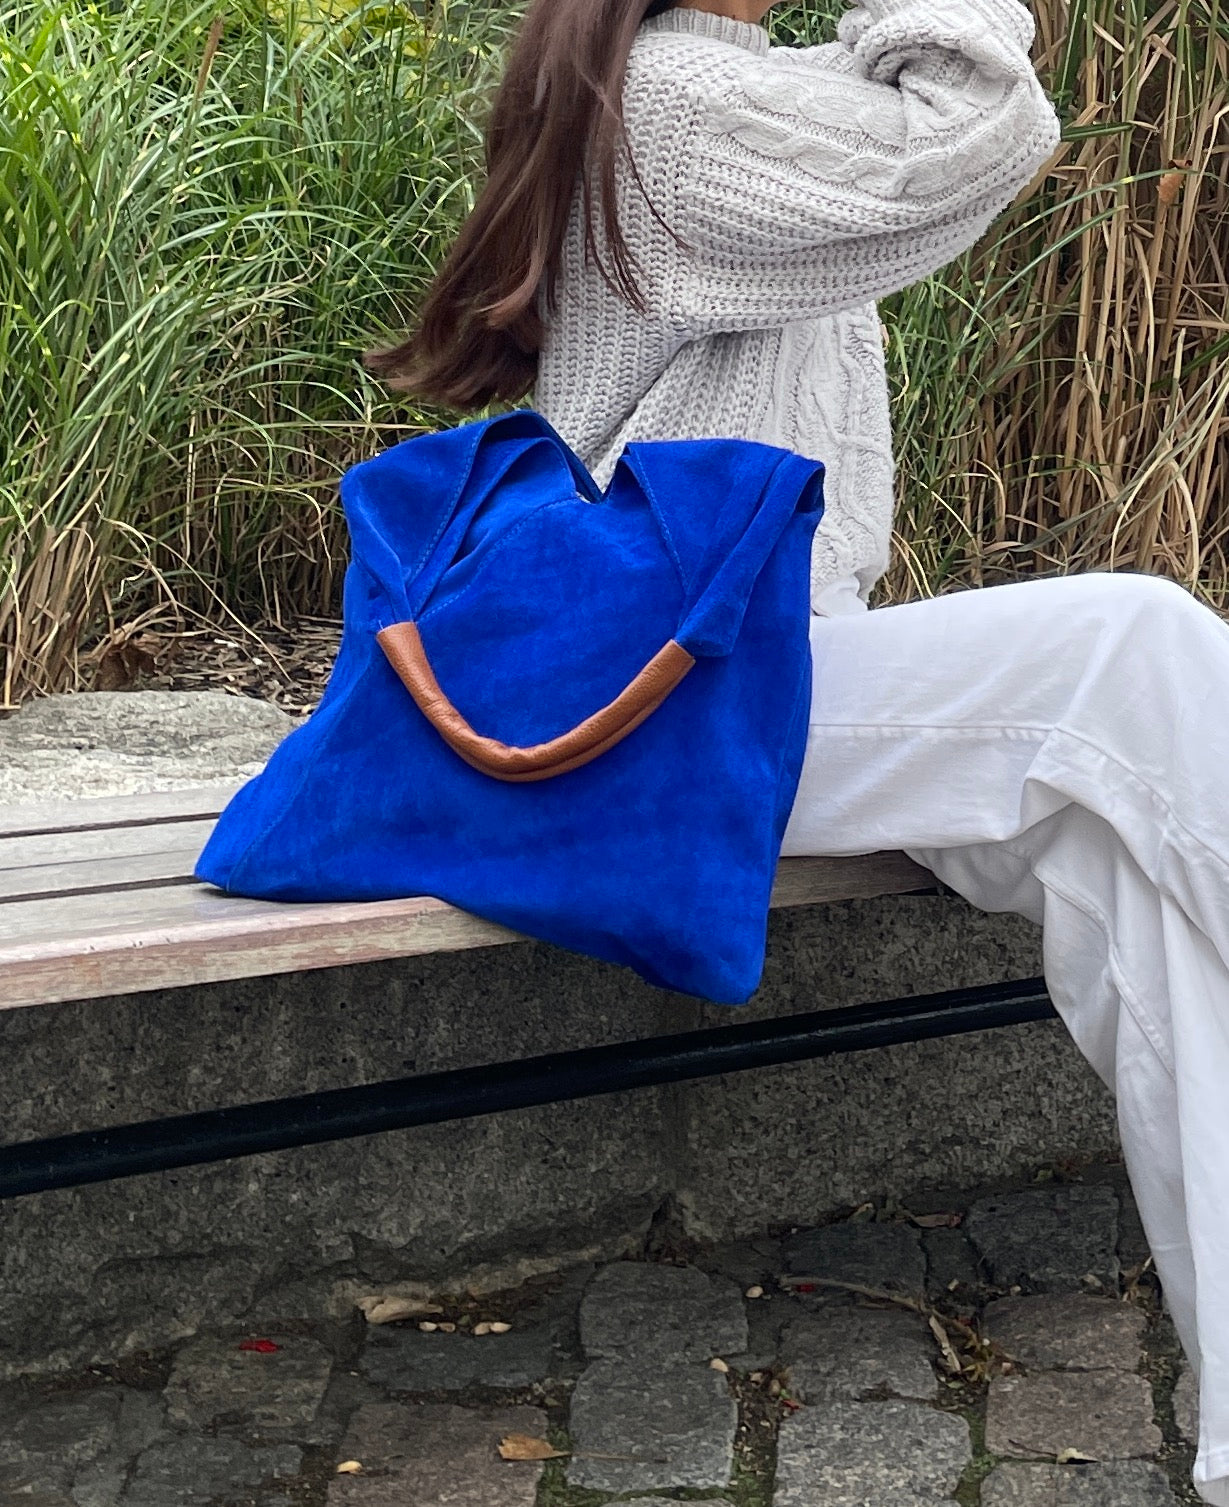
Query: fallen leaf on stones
(500, 1328)
(754, 1292)
(259, 1347)
(383, 1308)
(350, 1468)
(951, 1361)
(1047, 1452)
(936, 1221)
(717, 1364)
(525, 1447)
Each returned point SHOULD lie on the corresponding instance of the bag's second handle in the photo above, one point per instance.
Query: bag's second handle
(403, 647)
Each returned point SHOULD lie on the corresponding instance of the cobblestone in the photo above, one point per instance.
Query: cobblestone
(1067, 1332)
(874, 1255)
(1048, 1239)
(81, 1444)
(1186, 1406)
(43, 1449)
(1104, 1414)
(750, 1263)
(849, 1352)
(404, 1360)
(273, 1396)
(767, 1318)
(674, 1422)
(1132, 1242)
(191, 1471)
(673, 1313)
(950, 1258)
(1125, 1483)
(214, 1425)
(436, 1455)
(883, 1454)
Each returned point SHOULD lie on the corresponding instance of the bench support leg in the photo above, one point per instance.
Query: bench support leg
(460, 1093)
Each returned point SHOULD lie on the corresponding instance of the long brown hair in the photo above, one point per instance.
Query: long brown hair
(557, 118)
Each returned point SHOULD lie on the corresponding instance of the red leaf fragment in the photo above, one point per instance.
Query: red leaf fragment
(259, 1347)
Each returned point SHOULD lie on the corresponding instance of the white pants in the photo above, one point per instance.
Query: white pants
(1060, 748)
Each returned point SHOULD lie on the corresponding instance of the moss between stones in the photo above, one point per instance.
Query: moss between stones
(1162, 1366)
(969, 1402)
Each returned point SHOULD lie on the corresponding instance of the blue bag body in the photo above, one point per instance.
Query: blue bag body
(538, 599)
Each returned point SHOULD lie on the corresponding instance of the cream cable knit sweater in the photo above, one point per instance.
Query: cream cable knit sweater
(806, 182)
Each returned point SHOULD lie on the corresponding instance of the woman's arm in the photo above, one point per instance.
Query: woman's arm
(820, 178)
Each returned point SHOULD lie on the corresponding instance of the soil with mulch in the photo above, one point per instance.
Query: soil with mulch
(287, 665)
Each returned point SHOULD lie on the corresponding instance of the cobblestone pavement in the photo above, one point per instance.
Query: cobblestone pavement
(1008, 1350)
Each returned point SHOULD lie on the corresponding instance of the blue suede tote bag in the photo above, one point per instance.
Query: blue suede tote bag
(578, 713)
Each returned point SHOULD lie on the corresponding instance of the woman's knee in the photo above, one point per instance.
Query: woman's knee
(1133, 602)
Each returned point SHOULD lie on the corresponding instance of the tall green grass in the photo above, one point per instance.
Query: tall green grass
(205, 217)
(203, 221)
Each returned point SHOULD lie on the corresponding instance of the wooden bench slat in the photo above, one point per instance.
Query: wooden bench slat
(864, 876)
(61, 917)
(89, 946)
(230, 938)
(194, 804)
(98, 844)
(96, 898)
(97, 876)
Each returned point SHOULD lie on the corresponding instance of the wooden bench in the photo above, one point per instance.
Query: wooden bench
(97, 898)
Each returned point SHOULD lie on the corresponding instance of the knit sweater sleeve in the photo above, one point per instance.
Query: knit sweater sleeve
(820, 178)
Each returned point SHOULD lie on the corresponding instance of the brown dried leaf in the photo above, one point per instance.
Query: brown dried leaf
(525, 1447)
(951, 1361)
(387, 1308)
(350, 1468)
(1169, 185)
(125, 661)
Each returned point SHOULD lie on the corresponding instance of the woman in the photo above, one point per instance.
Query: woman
(1055, 748)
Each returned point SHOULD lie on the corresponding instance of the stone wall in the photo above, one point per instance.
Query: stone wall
(94, 1273)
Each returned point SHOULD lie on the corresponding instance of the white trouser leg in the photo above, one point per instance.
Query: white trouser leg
(1061, 748)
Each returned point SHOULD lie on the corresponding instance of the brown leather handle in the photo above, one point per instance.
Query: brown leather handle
(404, 650)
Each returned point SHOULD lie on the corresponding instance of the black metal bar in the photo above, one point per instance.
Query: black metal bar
(430, 1099)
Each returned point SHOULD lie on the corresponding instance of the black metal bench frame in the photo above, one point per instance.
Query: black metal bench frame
(460, 1093)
